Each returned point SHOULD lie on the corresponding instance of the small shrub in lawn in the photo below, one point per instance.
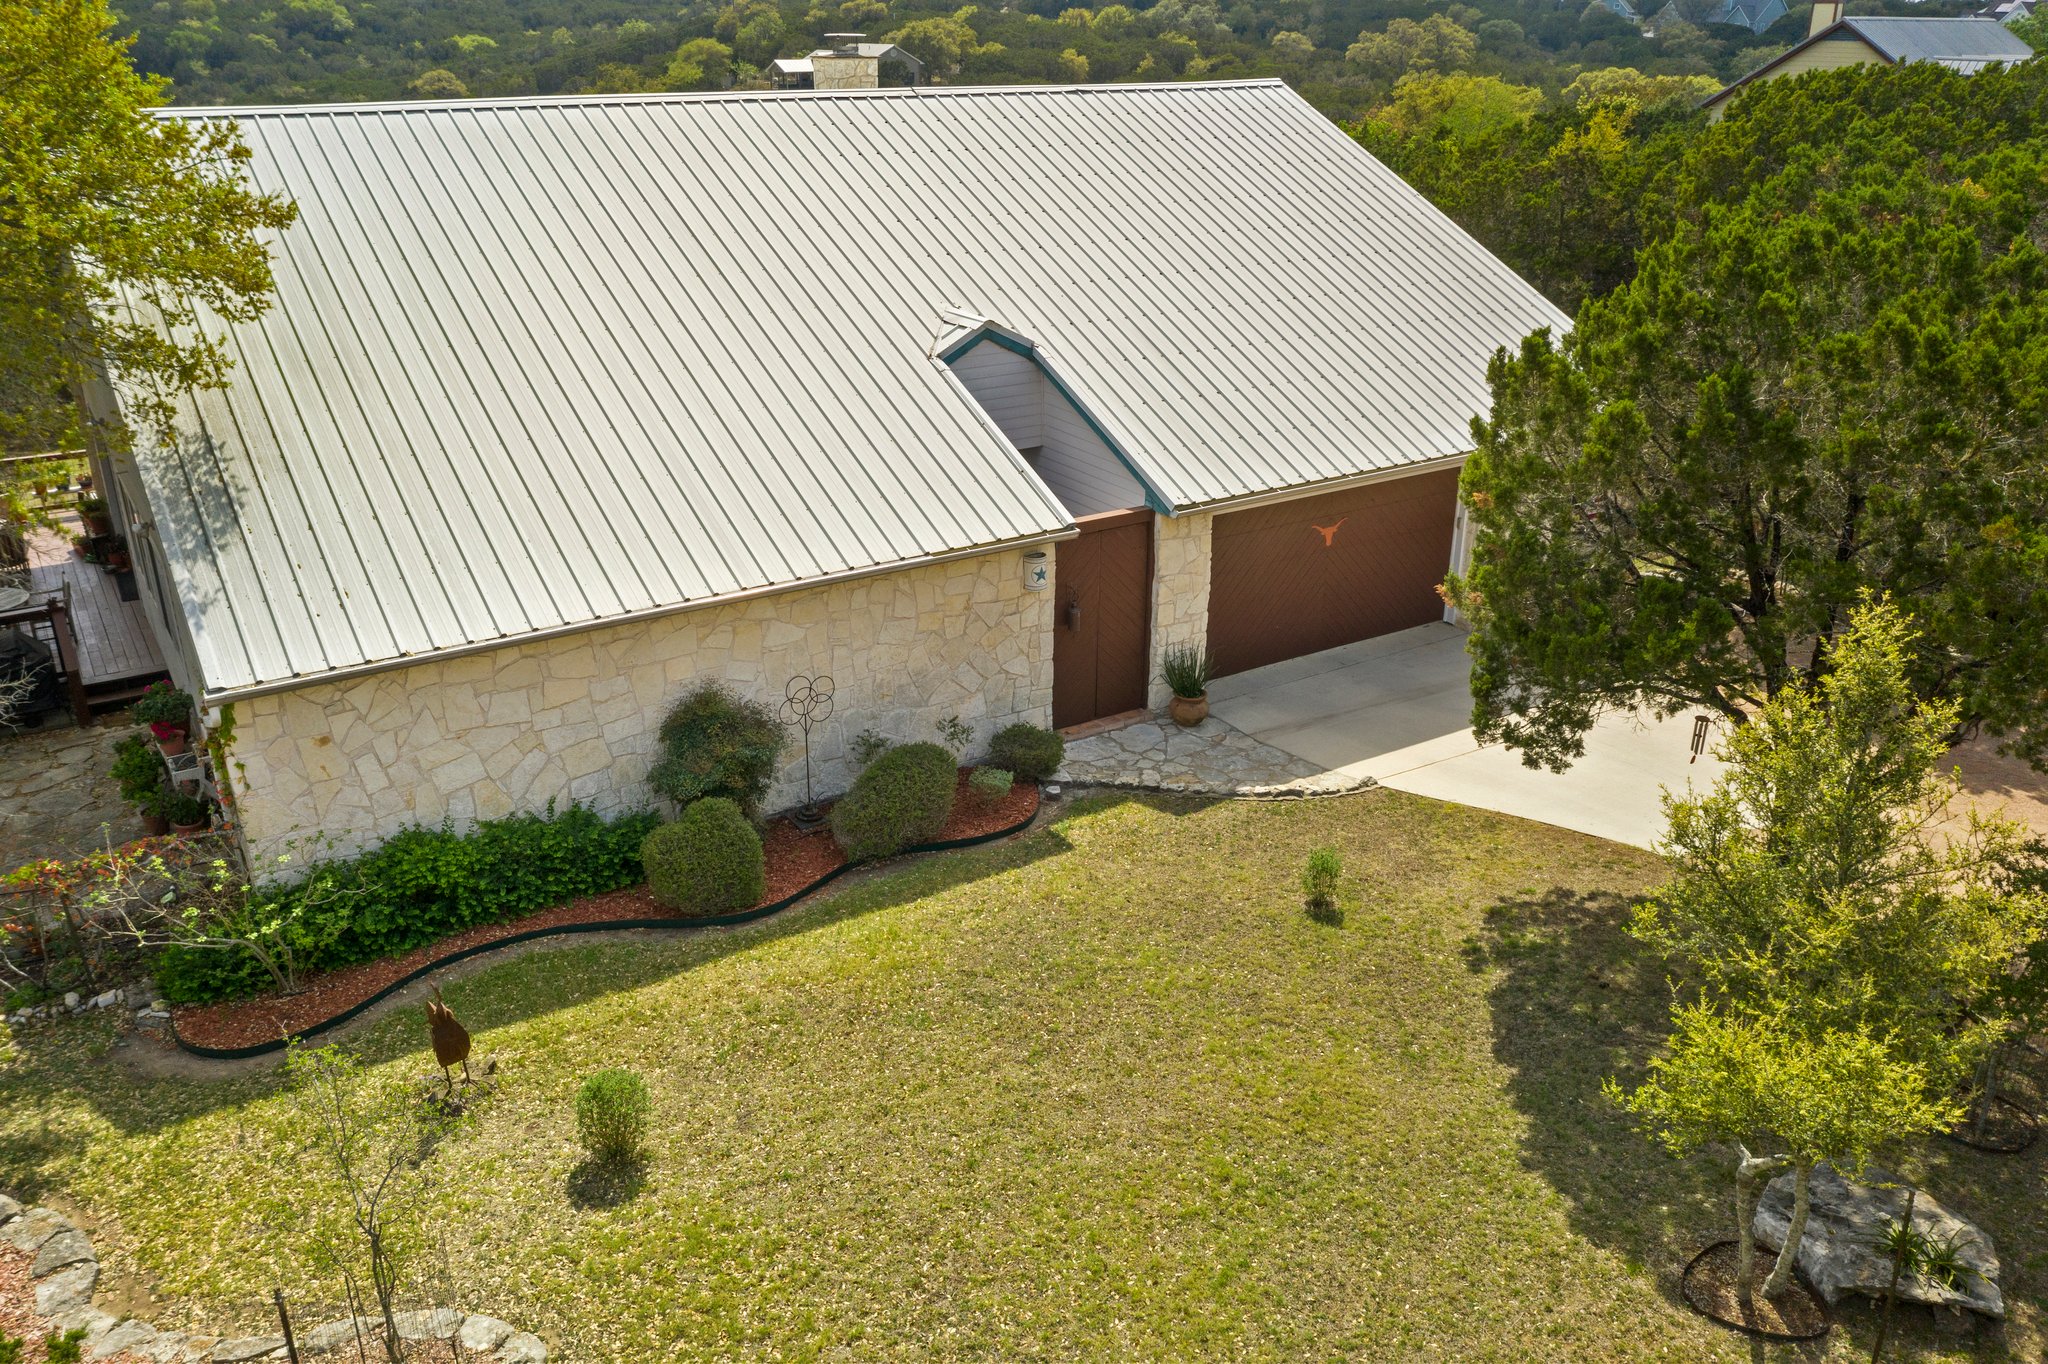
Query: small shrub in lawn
(904, 798)
(1319, 885)
(611, 1115)
(718, 743)
(990, 784)
(707, 862)
(1032, 752)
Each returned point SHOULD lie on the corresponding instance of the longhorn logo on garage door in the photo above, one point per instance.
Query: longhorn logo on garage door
(1329, 533)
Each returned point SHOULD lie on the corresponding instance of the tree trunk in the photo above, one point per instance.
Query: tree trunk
(1750, 1173)
(1891, 1289)
(1781, 1277)
(1989, 1095)
(384, 1278)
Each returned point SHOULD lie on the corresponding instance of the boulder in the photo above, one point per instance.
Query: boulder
(432, 1323)
(68, 1247)
(524, 1348)
(10, 1208)
(331, 1336)
(130, 1335)
(1840, 1254)
(69, 1287)
(29, 1231)
(481, 1335)
(248, 1348)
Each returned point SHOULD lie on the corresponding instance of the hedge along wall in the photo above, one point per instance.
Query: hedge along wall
(575, 718)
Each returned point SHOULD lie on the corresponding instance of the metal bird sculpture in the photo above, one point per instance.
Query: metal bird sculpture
(451, 1039)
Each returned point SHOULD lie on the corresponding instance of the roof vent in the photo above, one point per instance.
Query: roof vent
(844, 44)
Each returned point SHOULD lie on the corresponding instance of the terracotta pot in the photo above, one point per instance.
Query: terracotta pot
(172, 743)
(184, 830)
(154, 826)
(1189, 711)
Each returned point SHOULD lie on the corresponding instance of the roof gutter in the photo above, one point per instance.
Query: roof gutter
(1246, 501)
(210, 697)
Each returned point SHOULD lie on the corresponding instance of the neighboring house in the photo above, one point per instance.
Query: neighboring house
(555, 416)
(1754, 15)
(1622, 9)
(1964, 44)
(847, 63)
(2009, 11)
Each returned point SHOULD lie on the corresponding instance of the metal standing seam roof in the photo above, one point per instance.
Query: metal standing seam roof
(1965, 44)
(537, 365)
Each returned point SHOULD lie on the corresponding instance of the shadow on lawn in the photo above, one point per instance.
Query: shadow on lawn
(64, 1059)
(1578, 1001)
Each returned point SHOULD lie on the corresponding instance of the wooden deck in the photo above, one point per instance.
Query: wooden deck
(115, 643)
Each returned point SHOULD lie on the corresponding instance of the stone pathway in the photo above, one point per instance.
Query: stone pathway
(55, 792)
(1212, 759)
(66, 1272)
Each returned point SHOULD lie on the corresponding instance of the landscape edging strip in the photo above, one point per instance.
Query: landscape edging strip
(598, 926)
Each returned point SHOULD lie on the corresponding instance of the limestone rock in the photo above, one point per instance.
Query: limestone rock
(434, 1323)
(9, 1208)
(91, 1320)
(483, 1334)
(1839, 1253)
(334, 1335)
(29, 1231)
(129, 1335)
(524, 1348)
(66, 1248)
(248, 1348)
(69, 1287)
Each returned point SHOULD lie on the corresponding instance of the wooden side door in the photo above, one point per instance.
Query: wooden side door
(1102, 618)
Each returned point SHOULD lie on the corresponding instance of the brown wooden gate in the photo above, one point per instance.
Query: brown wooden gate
(1295, 577)
(1102, 617)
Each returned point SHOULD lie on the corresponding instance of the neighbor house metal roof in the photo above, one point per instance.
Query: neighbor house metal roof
(536, 365)
(1963, 44)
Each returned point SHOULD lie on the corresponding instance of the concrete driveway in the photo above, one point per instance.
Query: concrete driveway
(1397, 709)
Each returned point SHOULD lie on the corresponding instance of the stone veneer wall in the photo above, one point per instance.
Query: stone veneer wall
(1180, 590)
(575, 717)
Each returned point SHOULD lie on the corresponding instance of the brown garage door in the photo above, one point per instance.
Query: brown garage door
(1294, 577)
(1102, 598)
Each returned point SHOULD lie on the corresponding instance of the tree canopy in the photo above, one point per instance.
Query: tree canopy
(1827, 376)
(111, 222)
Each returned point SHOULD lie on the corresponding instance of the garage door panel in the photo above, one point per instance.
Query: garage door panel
(1297, 577)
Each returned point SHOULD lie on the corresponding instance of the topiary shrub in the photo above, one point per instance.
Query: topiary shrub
(718, 743)
(1032, 752)
(611, 1114)
(904, 797)
(707, 862)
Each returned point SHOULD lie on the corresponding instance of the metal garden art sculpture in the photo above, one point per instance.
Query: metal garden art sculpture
(807, 701)
(450, 1039)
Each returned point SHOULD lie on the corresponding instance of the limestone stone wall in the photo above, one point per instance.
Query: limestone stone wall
(1180, 590)
(575, 718)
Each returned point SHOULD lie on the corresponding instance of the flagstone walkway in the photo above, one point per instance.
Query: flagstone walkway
(1211, 759)
(55, 792)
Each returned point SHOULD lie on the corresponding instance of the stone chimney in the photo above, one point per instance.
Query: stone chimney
(1826, 14)
(839, 65)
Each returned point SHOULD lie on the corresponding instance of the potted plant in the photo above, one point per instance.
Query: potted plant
(139, 771)
(187, 813)
(1186, 671)
(168, 712)
(93, 511)
(118, 560)
(153, 808)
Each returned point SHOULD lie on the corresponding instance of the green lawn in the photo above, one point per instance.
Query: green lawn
(1102, 1093)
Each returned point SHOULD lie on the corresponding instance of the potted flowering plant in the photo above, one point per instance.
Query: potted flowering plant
(168, 713)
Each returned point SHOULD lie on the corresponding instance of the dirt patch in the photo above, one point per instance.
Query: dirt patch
(796, 861)
(1710, 1289)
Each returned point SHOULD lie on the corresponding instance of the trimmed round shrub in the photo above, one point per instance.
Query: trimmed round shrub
(1032, 752)
(718, 743)
(611, 1114)
(707, 862)
(904, 797)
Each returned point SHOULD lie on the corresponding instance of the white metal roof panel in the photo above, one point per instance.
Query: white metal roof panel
(1964, 43)
(536, 364)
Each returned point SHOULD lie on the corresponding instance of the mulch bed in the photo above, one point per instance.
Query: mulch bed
(18, 1316)
(1710, 1289)
(796, 861)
